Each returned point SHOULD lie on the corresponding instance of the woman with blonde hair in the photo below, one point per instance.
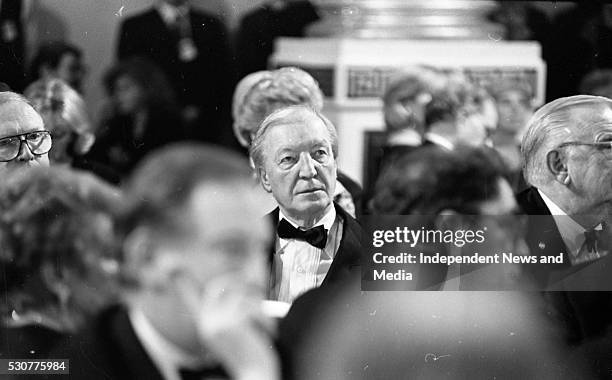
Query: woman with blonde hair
(64, 113)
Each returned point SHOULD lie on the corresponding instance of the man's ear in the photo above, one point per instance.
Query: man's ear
(556, 161)
(265, 181)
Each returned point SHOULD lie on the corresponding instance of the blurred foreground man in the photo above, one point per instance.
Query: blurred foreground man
(317, 242)
(567, 153)
(195, 271)
(24, 142)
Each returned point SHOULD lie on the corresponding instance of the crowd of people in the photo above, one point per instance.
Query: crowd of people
(147, 247)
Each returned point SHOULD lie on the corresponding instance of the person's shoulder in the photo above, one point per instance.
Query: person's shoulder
(91, 351)
(531, 202)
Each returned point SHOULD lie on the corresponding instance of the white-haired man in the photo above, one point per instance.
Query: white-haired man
(294, 152)
(567, 155)
(24, 141)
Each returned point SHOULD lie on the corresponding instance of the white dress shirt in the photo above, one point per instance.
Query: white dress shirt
(298, 265)
(571, 231)
(439, 140)
(167, 357)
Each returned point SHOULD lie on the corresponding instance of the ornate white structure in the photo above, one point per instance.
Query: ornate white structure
(353, 70)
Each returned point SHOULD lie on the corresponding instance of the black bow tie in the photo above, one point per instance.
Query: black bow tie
(316, 236)
(591, 237)
(215, 372)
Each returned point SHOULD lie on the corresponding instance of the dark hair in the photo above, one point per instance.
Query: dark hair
(457, 98)
(595, 80)
(53, 217)
(158, 93)
(429, 180)
(50, 54)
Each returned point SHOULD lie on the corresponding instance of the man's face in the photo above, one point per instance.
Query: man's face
(128, 95)
(17, 118)
(514, 109)
(225, 237)
(300, 167)
(217, 251)
(590, 167)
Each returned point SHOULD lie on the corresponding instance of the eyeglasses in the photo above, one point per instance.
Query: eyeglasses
(39, 143)
(602, 145)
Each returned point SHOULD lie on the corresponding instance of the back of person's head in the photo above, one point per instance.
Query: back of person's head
(158, 94)
(455, 99)
(271, 91)
(65, 115)
(58, 245)
(407, 93)
(431, 179)
(597, 82)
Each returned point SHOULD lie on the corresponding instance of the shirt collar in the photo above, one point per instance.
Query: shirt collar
(168, 358)
(439, 140)
(327, 220)
(571, 232)
(169, 13)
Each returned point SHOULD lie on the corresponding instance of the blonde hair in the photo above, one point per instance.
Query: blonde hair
(57, 99)
(261, 93)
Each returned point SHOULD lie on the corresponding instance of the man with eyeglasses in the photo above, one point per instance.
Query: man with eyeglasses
(24, 142)
(567, 156)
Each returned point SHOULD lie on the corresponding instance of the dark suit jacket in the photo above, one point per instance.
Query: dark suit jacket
(583, 314)
(206, 82)
(260, 27)
(348, 257)
(108, 349)
(118, 151)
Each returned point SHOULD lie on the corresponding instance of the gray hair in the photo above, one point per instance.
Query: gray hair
(549, 127)
(9, 96)
(261, 93)
(284, 116)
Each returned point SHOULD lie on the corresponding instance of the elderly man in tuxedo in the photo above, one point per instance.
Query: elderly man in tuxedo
(567, 155)
(24, 142)
(194, 269)
(317, 242)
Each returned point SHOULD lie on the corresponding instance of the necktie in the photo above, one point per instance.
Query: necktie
(216, 372)
(316, 236)
(591, 238)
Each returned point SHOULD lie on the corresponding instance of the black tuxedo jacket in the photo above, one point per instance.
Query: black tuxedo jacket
(107, 349)
(584, 314)
(348, 257)
(205, 82)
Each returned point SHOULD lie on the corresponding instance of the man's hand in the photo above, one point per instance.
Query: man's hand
(232, 326)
